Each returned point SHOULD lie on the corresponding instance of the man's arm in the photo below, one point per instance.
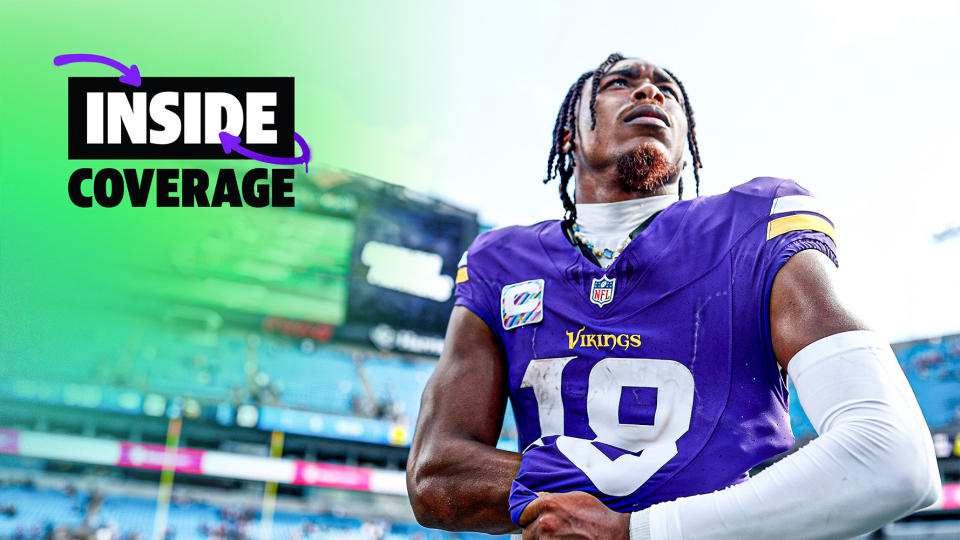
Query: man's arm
(872, 463)
(456, 478)
(805, 306)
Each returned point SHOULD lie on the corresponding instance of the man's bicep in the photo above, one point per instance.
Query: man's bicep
(805, 305)
(466, 395)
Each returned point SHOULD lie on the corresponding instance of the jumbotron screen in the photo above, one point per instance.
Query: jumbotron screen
(355, 253)
(302, 275)
(405, 256)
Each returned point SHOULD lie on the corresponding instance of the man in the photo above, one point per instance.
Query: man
(644, 344)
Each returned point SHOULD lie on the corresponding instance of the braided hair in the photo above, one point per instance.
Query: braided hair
(560, 162)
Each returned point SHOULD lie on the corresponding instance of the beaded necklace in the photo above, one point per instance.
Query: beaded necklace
(598, 252)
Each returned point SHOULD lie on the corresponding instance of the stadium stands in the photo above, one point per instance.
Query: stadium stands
(398, 381)
(331, 388)
(37, 511)
(257, 370)
(933, 369)
(29, 511)
(351, 380)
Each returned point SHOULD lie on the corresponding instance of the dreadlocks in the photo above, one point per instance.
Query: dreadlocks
(560, 162)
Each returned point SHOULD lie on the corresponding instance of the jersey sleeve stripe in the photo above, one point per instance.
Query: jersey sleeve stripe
(798, 203)
(461, 275)
(799, 222)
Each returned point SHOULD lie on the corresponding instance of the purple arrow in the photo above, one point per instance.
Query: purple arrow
(232, 142)
(131, 75)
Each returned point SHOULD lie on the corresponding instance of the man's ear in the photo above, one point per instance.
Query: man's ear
(567, 143)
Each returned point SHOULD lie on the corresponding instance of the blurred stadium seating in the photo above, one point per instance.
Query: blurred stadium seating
(28, 512)
(26, 509)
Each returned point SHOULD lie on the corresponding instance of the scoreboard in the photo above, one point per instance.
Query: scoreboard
(371, 261)
(405, 257)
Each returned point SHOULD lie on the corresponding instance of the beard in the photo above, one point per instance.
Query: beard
(645, 169)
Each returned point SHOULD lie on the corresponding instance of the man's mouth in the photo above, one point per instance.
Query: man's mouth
(647, 114)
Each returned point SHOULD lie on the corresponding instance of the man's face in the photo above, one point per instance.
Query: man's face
(638, 104)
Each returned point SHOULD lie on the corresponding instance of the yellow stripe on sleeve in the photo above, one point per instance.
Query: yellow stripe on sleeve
(462, 274)
(799, 222)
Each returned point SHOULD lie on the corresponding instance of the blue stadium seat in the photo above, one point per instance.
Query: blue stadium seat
(398, 380)
(322, 381)
(38, 508)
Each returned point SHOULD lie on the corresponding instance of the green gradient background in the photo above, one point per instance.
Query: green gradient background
(60, 263)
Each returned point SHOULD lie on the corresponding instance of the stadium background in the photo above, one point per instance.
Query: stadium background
(282, 352)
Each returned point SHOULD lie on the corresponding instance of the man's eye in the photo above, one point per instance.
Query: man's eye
(616, 82)
(671, 91)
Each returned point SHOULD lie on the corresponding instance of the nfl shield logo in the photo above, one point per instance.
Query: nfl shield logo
(601, 293)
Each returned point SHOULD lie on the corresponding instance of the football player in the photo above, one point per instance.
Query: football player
(644, 341)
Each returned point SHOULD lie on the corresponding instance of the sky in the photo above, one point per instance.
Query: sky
(854, 100)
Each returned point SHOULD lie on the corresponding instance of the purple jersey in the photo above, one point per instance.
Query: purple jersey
(652, 379)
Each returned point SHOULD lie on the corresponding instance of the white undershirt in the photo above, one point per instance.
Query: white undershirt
(607, 225)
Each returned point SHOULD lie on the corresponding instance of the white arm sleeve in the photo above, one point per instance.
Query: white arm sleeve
(873, 461)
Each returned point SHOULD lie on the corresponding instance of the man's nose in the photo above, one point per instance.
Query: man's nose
(648, 92)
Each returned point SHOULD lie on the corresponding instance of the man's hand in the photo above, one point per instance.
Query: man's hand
(572, 515)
